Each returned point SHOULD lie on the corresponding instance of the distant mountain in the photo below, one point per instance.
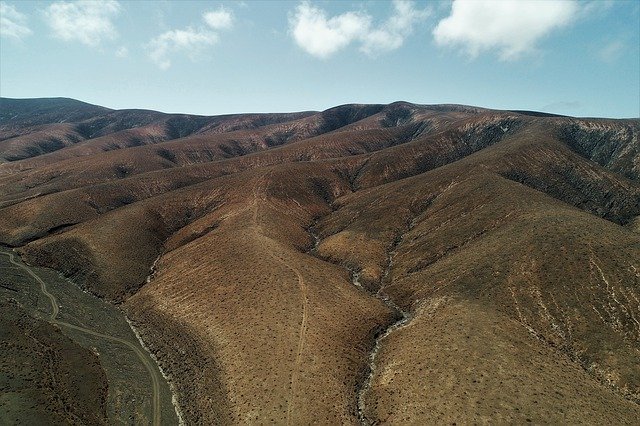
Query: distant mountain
(33, 112)
(366, 264)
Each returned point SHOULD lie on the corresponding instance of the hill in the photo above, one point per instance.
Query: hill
(392, 263)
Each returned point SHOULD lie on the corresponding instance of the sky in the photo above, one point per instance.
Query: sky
(579, 58)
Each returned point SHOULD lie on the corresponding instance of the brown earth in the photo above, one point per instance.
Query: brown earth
(285, 246)
(46, 378)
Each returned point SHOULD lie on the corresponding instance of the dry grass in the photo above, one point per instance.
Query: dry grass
(509, 223)
(463, 362)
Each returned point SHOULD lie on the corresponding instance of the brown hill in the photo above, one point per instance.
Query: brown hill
(369, 263)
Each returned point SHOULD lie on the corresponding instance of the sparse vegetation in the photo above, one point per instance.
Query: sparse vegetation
(507, 238)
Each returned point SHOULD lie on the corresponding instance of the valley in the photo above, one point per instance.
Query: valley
(367, 264)
(136, 391)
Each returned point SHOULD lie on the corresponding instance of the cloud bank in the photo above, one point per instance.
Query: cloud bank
(190, 40)
(322, 36)
(86, 21)
(13, 24)
(612, 51)
(511, 28)
(220, 19)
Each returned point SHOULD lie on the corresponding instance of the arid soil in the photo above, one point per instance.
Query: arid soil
(366, 264)
(46, 378)
(71, 355)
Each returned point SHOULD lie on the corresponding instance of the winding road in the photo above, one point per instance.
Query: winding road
(131, 345)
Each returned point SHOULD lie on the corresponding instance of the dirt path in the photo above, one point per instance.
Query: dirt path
(139, 353)
(301, 333)
(259, 191)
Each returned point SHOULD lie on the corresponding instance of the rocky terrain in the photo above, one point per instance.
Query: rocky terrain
(46, 377)
(366, 264)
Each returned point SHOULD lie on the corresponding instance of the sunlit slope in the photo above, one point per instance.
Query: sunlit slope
(460, 361)
(255, 254)
(568, 279)
(290, 333)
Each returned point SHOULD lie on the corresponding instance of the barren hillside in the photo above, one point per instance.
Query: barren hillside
(366, 264)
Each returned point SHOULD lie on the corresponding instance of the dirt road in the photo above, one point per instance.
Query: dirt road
(131, 345)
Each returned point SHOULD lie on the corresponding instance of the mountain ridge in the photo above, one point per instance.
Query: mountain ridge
(281, 242)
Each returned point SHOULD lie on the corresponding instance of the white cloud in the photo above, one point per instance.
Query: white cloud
(596, 7)
(190, 40)
(392, 34)
(511, 27)
(611, 51)
(122, 52)
(322, 36)
(13, 24)
(86, 21)
(220, 19)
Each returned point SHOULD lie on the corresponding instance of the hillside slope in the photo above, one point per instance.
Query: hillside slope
(370, 263)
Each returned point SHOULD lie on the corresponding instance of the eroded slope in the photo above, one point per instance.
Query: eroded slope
(285, 248)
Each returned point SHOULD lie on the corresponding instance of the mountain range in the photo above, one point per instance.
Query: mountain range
(400, 263)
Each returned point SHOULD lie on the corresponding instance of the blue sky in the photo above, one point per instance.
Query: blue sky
(575, 58)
